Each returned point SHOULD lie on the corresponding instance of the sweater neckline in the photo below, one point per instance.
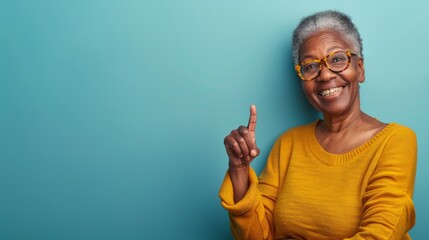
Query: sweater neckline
(342, 158)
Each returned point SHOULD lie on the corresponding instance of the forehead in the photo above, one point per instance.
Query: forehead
(321, 43)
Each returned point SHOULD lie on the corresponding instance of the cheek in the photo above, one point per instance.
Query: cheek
(307, 87)
(353, 74)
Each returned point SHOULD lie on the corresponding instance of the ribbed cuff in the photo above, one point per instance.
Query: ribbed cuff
(249, 201)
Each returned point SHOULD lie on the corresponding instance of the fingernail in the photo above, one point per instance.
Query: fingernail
(253, 153)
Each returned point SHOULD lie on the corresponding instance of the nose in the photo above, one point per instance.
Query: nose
(325, 73)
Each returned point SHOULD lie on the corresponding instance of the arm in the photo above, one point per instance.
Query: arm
(252, 216)
(240, 145)
(388, 211)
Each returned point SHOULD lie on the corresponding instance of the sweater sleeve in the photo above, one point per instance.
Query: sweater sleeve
(388, 210)
(252, 217)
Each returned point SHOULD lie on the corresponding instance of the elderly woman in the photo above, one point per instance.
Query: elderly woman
(346, 176)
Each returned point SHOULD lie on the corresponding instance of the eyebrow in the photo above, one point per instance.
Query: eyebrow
(334, 48)
(331, 49)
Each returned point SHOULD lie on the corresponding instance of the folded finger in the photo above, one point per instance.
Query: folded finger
(232, 145)
(242, 143)
(245, 133)
(250, 140)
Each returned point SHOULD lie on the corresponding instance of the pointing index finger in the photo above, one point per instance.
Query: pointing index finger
(252, 119)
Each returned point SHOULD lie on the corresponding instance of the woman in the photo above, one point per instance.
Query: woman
(347, 176)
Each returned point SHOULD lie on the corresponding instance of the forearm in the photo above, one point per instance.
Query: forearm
(240, 181)
(249, 200)
(249, 217)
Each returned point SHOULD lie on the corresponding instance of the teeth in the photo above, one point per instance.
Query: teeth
(331, 91)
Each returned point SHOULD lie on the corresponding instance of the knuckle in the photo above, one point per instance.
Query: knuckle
(244, 131)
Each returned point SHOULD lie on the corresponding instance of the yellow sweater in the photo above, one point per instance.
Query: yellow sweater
(305, 192)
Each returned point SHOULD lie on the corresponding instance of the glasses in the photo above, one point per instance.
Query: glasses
(337, 62)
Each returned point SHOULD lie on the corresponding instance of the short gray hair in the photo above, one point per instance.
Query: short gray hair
(326, 20)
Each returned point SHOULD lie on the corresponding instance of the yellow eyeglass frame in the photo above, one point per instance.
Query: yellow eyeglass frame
(348, 52)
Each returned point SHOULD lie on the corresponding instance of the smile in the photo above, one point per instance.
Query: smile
(329, 92)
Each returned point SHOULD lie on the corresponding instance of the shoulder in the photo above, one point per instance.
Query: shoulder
(398, 150)
(399, 132)
(398, 140)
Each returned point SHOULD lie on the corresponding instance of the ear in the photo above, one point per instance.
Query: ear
(360, 70)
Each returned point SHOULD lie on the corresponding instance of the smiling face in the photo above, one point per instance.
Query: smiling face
(334, 94)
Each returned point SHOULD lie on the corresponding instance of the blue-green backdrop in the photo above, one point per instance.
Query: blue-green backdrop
(113, 113)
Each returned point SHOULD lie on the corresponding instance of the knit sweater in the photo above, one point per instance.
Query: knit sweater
(305, 192)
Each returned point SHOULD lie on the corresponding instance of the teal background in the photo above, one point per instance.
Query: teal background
(113, 113)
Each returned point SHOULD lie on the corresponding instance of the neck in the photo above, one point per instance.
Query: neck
(336, 125)
(342, 123)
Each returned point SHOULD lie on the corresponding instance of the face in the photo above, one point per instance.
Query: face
(334, 94)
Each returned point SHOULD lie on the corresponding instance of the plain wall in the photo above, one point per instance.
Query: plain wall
(113, 113)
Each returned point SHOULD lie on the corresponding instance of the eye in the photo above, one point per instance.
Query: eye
(338, 58)
(310, 67)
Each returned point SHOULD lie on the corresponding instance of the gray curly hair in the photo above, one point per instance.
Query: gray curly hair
(320, 21)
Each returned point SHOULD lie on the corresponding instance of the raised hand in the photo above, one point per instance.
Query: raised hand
(240, 144)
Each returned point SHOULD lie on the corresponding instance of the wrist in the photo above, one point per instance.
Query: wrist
(238, 167)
